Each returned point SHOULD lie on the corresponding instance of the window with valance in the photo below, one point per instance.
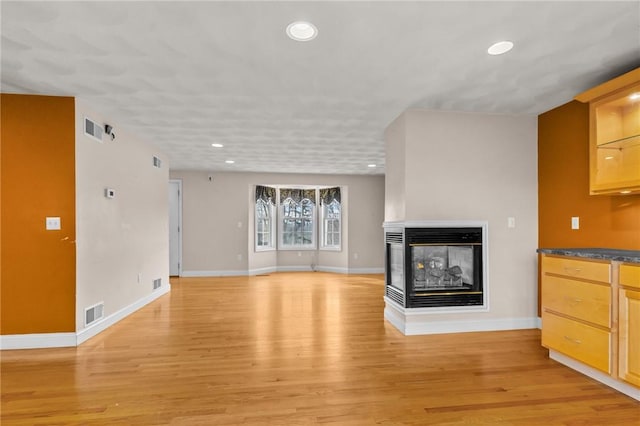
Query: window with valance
(297, 218)
(331, 212)
(294, 221)
(265, 226)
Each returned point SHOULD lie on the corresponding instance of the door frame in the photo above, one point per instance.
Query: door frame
(179, 182)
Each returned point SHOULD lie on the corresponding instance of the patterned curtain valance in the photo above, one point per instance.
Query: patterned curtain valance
(297, 195)
(327, 195)
(266, 194)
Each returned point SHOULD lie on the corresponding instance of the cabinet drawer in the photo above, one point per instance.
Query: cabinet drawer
(587, 301)
(584, 343)
(587, 270)
(630, 275)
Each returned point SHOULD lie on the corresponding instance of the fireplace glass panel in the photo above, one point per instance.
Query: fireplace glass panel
(396, 265)
(442, 267)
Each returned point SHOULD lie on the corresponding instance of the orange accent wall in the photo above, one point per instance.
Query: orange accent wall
(563, 188)
(38, 267)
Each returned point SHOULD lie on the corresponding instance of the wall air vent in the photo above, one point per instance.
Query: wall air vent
(93, 313)
(157, 162)
(93, 129)
(157, 283)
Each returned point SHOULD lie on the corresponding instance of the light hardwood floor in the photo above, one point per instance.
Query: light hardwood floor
(296, 349)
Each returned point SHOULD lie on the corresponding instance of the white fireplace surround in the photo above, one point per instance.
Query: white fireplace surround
(413, 321)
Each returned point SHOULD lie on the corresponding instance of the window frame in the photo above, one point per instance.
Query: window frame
(314, 225)
(324, 228)
(271, 209)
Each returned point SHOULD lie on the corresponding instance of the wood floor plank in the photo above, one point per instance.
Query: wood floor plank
(296, 349)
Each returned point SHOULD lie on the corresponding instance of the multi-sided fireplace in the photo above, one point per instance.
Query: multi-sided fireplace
(435, 266)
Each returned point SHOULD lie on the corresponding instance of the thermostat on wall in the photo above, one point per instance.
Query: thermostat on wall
(109, 193)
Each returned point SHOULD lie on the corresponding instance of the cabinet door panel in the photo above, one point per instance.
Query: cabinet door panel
(582, 342)
(629, 338)
(630, 275)
(586, 301)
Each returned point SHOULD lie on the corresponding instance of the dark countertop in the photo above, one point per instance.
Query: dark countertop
(632, 256)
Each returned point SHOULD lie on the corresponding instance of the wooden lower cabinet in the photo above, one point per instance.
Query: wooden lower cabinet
(576, 309)
(591, 314)
(629, 324)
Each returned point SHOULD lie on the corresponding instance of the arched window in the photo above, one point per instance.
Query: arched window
(331, 223)
(297, 219)
(265, 218)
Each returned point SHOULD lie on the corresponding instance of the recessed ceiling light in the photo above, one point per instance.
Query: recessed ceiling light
(371, 165)
(229, 161)
(500, 47)
(217, 145)
(302, 31)
(634, 96)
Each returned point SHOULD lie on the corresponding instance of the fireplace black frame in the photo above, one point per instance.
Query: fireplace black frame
(400, 284)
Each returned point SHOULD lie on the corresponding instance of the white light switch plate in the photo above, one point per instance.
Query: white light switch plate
(52, 223)
(575, 222)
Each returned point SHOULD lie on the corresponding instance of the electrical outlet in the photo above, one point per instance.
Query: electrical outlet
(52, 224)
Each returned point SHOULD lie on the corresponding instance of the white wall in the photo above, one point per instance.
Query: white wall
(119, 238)
(214, 244)
(395, 185)
(465, 166)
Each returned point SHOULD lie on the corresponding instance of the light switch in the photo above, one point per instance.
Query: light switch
(511, 222)
(575, 222)
(52, 223)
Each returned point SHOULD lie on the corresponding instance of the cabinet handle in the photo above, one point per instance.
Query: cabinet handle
(577, 342)
(575, 271)
(573, 300)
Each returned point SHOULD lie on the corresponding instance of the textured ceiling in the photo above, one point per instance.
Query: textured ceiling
(183, 75)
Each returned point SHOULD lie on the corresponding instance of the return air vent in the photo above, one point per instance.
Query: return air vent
(93, 129)
(93, 313)
(157, 162)
(157, 283)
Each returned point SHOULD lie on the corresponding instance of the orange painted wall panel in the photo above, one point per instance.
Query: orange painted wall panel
(563, 188)
(38, 267)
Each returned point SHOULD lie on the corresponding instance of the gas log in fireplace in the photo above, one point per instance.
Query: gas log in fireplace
(435, 266)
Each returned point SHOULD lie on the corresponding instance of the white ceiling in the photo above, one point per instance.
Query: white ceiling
(183, 75)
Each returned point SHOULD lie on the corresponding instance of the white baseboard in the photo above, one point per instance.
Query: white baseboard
(412, 322)
(366, 271)
(598, 375)
(261, 271)
(61, 340)
(272, 269)
(333, 269)
(194, 274)
(297, 268)
(98, 327)
(37, 341)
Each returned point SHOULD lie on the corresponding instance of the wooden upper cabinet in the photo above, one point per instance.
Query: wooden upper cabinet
(614, 135)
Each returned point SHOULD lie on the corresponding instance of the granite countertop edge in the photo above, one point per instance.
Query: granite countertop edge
(631, 256)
